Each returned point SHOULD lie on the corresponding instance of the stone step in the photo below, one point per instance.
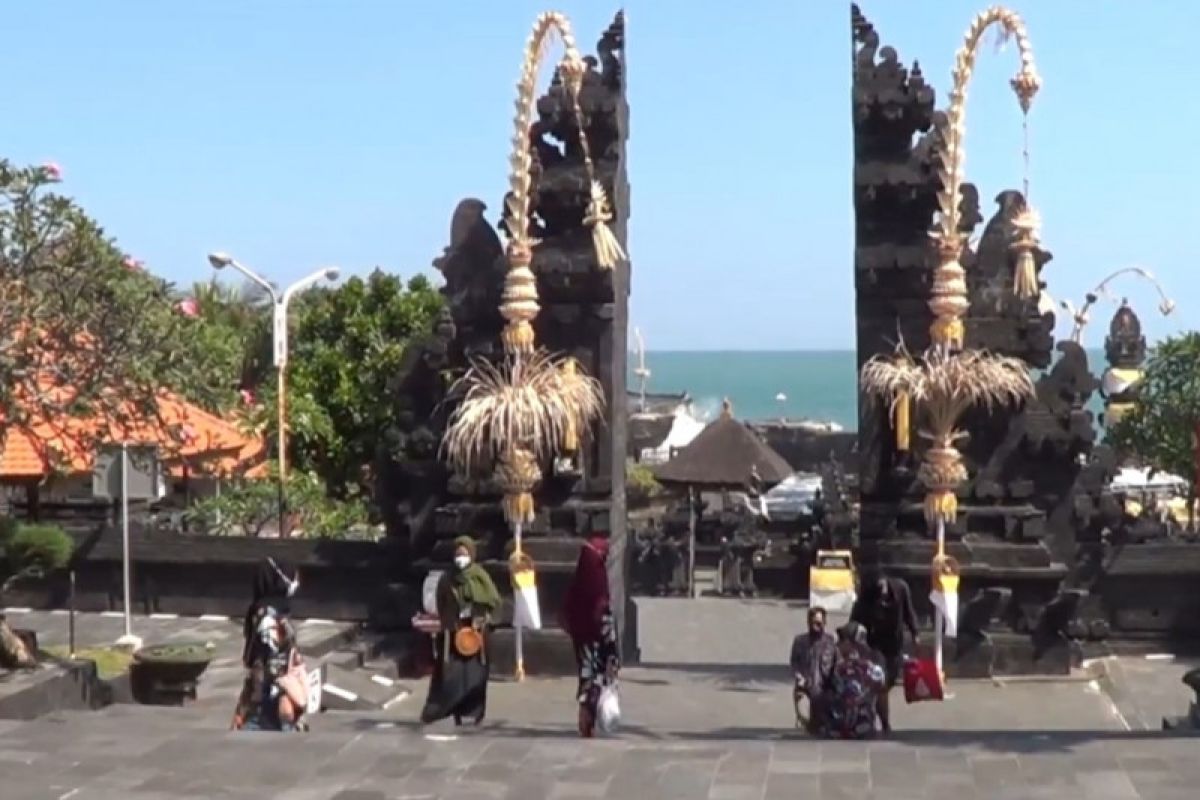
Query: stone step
(359, 690)
(548, 652)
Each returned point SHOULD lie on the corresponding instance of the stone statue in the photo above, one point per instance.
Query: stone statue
(1125, 351)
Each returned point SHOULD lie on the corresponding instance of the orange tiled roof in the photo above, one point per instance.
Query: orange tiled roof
(189, 437)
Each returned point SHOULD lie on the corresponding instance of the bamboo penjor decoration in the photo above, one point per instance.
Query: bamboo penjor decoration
(943, 385)
(949, 302)
(520, 288)
(945, 382)
(522, 413)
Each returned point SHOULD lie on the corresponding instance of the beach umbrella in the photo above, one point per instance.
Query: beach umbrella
(726, 455)
(518, 415)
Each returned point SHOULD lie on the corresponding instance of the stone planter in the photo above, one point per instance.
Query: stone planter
(167, 674)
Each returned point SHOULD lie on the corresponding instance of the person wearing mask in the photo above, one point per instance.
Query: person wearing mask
(587, 618)
(466, 600)
(812, 661)
(885, 610)
(274, 693)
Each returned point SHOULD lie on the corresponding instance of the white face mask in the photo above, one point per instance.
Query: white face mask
(462, 562)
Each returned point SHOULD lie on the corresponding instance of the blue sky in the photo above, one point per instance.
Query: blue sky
(311, 132)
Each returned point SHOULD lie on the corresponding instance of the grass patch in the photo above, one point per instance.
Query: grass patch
(111, 662)
(184, 652)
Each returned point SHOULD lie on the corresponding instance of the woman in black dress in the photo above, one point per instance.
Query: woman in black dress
(466, 599)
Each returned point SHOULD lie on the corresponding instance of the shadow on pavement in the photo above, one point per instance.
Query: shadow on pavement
(999, 741)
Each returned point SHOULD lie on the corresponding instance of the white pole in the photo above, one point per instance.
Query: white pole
(128, 640)
(937, 613)
(520, 671)
(691, 543)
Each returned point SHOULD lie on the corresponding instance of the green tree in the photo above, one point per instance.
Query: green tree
(640, 484)
(26, 551)
(86, 331)
(1161, 428)
(247, 508)
(234, 322)
(347, 344)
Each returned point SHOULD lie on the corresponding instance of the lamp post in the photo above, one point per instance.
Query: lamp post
(1079, 318)
(279, 346)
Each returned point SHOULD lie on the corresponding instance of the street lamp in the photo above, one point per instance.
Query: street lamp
(1079, 318)
(279, 346)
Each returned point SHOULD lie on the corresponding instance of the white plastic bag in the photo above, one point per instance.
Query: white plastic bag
(608, 709)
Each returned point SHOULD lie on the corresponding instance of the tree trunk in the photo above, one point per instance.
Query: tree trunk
(1191, 501)
(13, 652)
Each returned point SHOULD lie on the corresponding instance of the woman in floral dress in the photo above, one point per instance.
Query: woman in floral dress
(275, 691)
(588, 619)
(855, 684)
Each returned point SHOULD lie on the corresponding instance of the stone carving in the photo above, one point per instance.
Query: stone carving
(1020, 508)
(1049, 553)
(1125, 351)
(583, 314)
(411, 480)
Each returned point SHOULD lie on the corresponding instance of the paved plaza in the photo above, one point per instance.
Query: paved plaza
(691, 730)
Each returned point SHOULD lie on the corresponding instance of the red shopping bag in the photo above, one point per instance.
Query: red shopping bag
(922, 680)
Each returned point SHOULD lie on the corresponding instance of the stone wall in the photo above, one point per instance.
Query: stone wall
(192, 575)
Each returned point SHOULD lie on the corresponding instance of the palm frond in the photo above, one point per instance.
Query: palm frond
(944, 385)
(886, 377)
(520, 402)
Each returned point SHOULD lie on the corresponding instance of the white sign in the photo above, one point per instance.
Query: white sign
(314, 691)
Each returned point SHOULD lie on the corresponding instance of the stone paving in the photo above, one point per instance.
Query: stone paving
(1147, 688)
(691, 730)
(688, 734)
(224, 673)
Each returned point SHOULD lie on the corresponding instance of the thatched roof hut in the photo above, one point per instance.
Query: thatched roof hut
(725, 455)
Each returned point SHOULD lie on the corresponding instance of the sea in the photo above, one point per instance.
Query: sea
(816, 385)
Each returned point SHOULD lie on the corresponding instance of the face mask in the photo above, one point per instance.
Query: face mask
(462, 562)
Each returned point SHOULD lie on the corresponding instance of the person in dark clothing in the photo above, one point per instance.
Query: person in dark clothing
(466, 598)
(812, 661)
(855, 684)
(587, 618)
(885, 609)
(275, 691)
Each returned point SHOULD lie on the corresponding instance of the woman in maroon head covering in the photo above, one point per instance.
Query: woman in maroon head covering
(587, 618)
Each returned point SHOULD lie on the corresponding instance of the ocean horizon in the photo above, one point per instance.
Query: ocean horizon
(818, 385)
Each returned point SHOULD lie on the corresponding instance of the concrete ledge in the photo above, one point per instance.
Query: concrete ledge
(63, 686)
(1008, 655)
(548, 652)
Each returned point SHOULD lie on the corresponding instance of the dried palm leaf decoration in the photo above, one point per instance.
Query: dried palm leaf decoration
(533, 406)
(949, 301)
(943, 385)
(945, 381)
